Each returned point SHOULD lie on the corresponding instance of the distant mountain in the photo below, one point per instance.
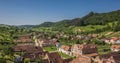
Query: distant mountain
(18, 26)
(90, 19)
(45, 24)
(4, 25)
(26, 26)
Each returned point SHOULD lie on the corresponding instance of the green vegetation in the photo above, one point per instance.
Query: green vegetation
(103, 49)
(27, 60)
(106, 25)
(2, 60)
(90, 19)
(64, 55)
(50, 48)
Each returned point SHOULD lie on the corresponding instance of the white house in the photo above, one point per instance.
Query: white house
(65, 49)
(115, 48)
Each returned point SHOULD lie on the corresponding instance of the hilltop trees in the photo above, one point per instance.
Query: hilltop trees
(90, 19)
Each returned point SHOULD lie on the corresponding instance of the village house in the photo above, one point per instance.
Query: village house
(53, 57)
(113, 57)
(65, 49)
(30, 51)
(45, 42)
(35, 55)
(72, 37)
(113, 40)
(23, 40)
(115, 48)
(68, 60)
(80, 37)
(106, 40)
(27, 48)
(82, 59)
(83, 49)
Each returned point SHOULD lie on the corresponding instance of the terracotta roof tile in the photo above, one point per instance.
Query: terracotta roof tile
(115, 46)
(67, 60)
(114, 56)
(44, 61)
(67, 48)
(27, 48)
(55, 57)
(92, 54)
(81, 59)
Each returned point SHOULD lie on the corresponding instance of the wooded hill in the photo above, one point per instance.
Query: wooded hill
(90, 19)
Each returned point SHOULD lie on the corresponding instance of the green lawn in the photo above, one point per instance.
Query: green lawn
(102, 47)
(53, 49)
(90, 27)
(64, 55)
(50, 48)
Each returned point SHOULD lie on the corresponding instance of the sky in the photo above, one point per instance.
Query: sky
(32, 12)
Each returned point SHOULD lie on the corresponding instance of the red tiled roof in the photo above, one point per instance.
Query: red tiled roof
(114, 56)
(22, 40)
(115, 38)
(54, 57)
(81, 59)
(92, 54)
(27, 48)
(44, 61)
(32, 56)
(67, 48)
(115, 46)
(86, 46)
(47, 41)
(67, 60)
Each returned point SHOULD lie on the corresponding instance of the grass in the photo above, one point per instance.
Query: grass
(101, 49)
(115, 34)
(50, 48)
(54, 48)
(64, 55)
(88, 28)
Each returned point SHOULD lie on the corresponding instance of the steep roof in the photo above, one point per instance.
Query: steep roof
(67, 48)
(27, 48)
(82, 59)
(84, 46)
(44, 61)
(54, 57)
(113, 56)
(115, 46)
(68, 60)
(23, 38)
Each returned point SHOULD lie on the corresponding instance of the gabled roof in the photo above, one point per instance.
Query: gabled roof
(44, 61)
(23, 40)
(33, 56)
(27, 48)
(67, 48)
(91, 55)
(48, 41)
(54, 57)
(82, 59)
(114, 56)
(115, 46)
(68, 60)
(85, 46)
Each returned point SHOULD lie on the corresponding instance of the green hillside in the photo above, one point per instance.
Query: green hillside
(90, 19)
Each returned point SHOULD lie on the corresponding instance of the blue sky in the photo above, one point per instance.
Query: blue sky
(21, 12)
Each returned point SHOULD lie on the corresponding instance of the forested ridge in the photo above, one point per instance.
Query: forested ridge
(91, 18)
